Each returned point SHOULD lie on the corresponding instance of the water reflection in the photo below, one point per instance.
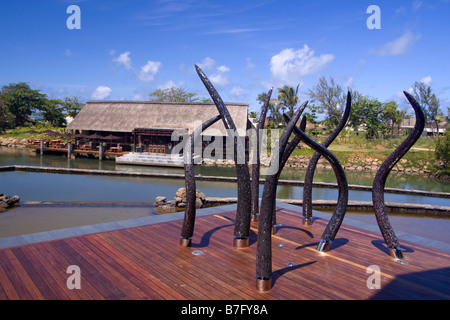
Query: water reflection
(12, 156)
(31, 219)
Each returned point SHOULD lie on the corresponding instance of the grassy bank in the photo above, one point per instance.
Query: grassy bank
(352, 149)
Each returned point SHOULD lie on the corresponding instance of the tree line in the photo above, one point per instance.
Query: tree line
(375, 118)
(18, 102)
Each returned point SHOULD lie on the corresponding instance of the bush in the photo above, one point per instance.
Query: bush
(442, 152)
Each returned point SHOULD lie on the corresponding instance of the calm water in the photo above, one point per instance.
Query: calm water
(32, 186)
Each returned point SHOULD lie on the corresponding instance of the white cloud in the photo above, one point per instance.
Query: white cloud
(219, 79)
(417, 4)
(149, 71)
(398, 46)
(238, 93)
(223, 69)
(207, 64)
(101, 92)
(170, 84)
(427, 80)
(250, 65)
(349, 82)
(216, 76)
(124, 59)
(290, 65)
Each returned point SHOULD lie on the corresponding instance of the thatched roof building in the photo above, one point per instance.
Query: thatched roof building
(150, 125)
(126, 116)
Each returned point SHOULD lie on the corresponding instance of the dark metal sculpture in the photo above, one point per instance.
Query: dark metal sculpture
(242, 225)
(264, 245)
(339, 212)
(286, 154)
(382, 174)
(257, 161)
(309, 175)
(187, 230)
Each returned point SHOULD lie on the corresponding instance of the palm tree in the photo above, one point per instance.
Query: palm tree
(288, 96)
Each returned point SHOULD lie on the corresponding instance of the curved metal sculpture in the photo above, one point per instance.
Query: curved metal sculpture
(382, 174)
(286, 154)
(309, 175)
(264, 245)
(187, 230)
(242, 225)
(257, 161)
(339, 212)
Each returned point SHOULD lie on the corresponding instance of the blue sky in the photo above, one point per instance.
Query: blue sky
(126, 49)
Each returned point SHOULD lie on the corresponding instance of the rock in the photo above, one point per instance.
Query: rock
(160, 199)
(166, 208)
(181, 192)
(7, 201)
(198, 203)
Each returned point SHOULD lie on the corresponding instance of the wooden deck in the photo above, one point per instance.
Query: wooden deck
(146, 262)
(86, 152)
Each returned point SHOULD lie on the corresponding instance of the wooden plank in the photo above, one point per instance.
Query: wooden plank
(147, 263)
(128, 271)
(157, 266)
(60, 261)
(19, 276)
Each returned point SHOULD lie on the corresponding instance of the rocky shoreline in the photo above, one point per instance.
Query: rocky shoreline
(354, 164)
(13, 142)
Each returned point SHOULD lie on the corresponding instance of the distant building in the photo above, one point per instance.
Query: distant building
(429, 130)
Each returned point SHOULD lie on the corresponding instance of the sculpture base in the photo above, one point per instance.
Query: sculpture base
(307, 221)
(240, 242)
(395, 252)
(274, 229)
(263, 284)
(324, 245)
(185, 242)
(254, 217)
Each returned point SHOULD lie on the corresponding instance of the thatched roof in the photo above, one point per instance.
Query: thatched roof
(124, 116)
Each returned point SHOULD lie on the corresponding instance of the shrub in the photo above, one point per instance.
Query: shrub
(442, 152)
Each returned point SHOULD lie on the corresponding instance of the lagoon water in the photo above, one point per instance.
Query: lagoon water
(33, 186)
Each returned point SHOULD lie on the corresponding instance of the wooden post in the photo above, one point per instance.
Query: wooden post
(100, 151)
(69, 149)
(42, 146)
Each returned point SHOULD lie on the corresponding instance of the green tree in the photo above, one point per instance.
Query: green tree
(289, 98)
(6, 117)
(311, 116)
(392, 116)
(22, 100)
(174, 94)
(53, 112)
(72, 106)
(331, 100)
(274, 114)
(355, 119)
(371, 118)
(442, 151)
(367, 112)
(429, 102)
